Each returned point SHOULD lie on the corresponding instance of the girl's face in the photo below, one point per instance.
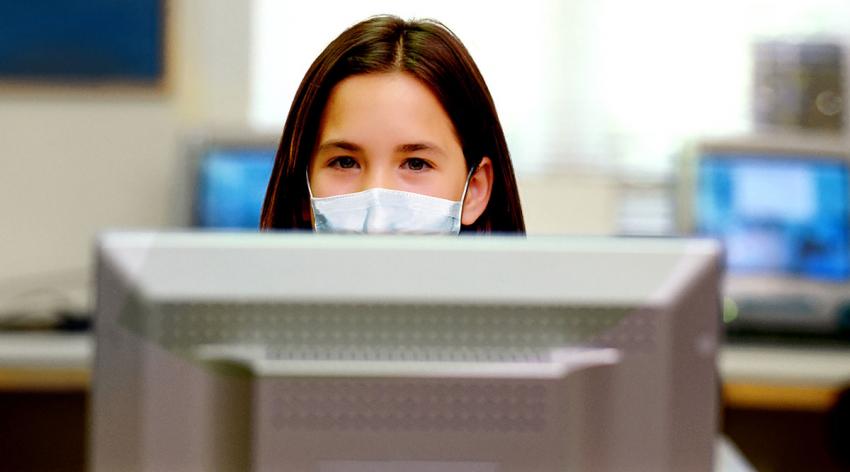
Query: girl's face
(388, 130)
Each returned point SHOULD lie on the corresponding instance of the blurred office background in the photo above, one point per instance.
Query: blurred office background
(602, 102)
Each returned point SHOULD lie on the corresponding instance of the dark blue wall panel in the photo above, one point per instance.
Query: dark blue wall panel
(83, 40)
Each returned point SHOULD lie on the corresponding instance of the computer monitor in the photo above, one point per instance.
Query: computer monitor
(784, 214)
(229, 176)
(780, 204)
(346, 353)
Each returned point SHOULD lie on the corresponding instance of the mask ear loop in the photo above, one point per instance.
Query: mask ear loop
(465, 189)
(309, 189)
(310, 194)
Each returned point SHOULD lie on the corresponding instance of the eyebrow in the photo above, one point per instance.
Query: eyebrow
(352, 147)
(340, 144)
(415, 147)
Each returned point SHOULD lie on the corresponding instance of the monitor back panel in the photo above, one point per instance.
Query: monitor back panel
(225, 352)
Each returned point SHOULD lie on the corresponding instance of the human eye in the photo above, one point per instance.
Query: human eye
(343, 162)
(416, 164)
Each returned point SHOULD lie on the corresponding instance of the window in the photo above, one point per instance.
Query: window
(599, 83)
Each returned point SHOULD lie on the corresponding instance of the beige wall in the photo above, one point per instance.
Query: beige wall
(581, 202)
(72, 164)
(74, 161)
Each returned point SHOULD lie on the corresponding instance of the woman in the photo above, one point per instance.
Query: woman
(393, 130)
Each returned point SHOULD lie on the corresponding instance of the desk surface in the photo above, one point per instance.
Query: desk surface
(753, 376)
(783, 377)
(45, 361)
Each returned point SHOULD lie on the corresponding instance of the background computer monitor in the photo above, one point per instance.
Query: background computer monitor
(777, 213)
(302, 352)
(228, 176)
(780, 205)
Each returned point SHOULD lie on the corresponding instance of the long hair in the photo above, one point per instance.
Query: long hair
(434, 55)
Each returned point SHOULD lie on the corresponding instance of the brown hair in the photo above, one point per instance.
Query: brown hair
(434, 55)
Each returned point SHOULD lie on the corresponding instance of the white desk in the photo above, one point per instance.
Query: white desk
(45, 361)
(783, 377)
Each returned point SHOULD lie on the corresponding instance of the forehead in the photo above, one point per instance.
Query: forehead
(382, 107)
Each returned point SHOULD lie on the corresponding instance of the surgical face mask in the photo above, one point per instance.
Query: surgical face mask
(384, 211)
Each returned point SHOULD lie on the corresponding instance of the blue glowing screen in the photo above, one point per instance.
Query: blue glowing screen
(232, 186)
(776, 214)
